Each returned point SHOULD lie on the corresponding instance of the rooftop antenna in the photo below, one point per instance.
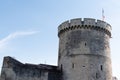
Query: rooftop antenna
(103, 17)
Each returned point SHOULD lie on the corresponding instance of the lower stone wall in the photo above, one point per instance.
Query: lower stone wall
(14, 70)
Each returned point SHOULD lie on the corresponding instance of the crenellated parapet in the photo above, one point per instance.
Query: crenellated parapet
(86, 23)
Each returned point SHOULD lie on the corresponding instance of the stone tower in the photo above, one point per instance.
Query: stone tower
(84, 50)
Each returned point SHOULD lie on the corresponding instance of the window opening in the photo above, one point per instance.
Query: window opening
(83, 66)
(96, 75)
(73, 65)
(85, 43)
(101, 68)
(61, 67)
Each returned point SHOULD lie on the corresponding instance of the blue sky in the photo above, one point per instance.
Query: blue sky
(28, 28)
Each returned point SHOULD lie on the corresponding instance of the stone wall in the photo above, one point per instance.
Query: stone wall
(84, 50)
(15, 70)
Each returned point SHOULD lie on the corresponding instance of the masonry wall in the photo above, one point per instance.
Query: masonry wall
(84, 51)
(14, 70)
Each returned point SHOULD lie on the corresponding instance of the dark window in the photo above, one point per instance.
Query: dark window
(85, 43)
(73, 65)
(101, 67)
(96, 75)
(61, 67)
(83, 66)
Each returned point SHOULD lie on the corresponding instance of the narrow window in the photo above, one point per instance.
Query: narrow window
(101, 67)
(83, 66)
(61, 67)
(85, 43)
(96, 75)
(73, 65)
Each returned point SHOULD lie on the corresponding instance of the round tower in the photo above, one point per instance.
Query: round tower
(84, 50)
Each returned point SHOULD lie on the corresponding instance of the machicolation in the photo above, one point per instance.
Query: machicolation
(87, 23)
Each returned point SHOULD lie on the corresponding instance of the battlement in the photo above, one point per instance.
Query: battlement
(87, 23)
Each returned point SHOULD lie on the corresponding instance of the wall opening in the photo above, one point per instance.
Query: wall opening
(61, 67)
(96, 75)
(83, 66)
(73, 65)
(85, 44)
(101, 67)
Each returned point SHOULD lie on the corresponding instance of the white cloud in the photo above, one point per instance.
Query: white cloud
(5, 41)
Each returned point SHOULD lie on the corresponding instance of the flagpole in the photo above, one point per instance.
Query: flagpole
(103, 17)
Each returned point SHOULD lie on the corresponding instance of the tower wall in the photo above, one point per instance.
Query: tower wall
(84, 51)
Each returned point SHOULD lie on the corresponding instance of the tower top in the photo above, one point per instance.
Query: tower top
(85, 23)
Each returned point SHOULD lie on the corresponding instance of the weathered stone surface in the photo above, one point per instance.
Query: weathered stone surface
(84, 51)
(14, 70)
(86, 23)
